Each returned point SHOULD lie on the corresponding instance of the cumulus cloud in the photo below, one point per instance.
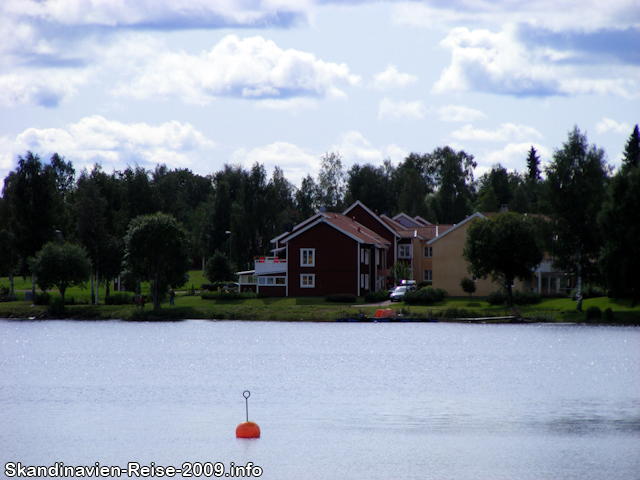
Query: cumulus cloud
(253, 68)
(390, 110)
(97, 139)
(512, 156)
(459, 113)
(499, 63)
(355, 148)
(48, 88)
(608, 125)
(391, 78)
(295, 162)
(505, 132)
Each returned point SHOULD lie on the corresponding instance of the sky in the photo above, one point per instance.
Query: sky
(198, 84)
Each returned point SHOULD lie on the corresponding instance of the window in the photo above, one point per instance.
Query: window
(266, 281)
(362, 280)
(367, 256)
(307, 281)
(307, 257)
(428, 276)
(404, 251)
(366, 281)
(428, 252)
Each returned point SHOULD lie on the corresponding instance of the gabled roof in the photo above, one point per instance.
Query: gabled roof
(456, 226)
(379, 218)
(344, 224)
(407, 222)
(426, 232)
(299, 225)
(419, 219)
(391, 223)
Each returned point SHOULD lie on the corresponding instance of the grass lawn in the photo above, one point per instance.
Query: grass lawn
(295, 309)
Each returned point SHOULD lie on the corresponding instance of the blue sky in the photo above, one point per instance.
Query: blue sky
(202, 83)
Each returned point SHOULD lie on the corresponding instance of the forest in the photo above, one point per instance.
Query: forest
(593, 210)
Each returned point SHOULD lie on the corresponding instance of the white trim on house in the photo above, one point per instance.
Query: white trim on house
(366, 209)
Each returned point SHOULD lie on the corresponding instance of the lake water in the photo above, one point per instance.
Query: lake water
(333, 400)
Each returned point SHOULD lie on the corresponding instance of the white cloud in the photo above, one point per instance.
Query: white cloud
(557, 15)
(608, 125)
(459, 113)
(505, 132)
(295, 162)
(355, 148)
(499, 63)
(291, 105)
(47, 87)
(512, 156)
(157, 13)
(253, 68)
(96, 139)
(390, 110)
(391, 78)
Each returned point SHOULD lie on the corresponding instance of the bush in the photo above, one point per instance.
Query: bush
(42, 298)
(376, 297)
(341, 298)
(519, 298)
(215, 286)
(607, 316)
(423, 285)
(120, 298)
(593, 313)
(225, 295)
(4, 290)
(425, 296)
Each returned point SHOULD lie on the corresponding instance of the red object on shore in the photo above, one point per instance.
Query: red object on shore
(248, 430)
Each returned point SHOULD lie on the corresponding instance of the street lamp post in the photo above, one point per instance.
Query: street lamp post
(228, 232)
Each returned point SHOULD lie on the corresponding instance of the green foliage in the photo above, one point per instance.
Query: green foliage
(593, 313)
(400, 271)
(120, 298)
(376, 297)
(341, 298)
(226, 295)
(42, 298)
(61, 265)
(218, 269)
(156, 251)
(424, 296)
(468, 286)
(607, 315)
(589, 291)
(574, 191)
(504, 247)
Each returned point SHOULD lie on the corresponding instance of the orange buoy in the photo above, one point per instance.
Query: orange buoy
(247, 429)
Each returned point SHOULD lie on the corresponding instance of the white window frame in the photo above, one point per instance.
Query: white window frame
(367, 257)
(428, 252)
(427, 275)
(304, 257)
(272, 281)
(404, 251)
(310, 280)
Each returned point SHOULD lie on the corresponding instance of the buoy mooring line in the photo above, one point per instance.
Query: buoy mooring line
(247, 429)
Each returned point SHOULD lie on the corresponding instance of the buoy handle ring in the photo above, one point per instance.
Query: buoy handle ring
(246, 394)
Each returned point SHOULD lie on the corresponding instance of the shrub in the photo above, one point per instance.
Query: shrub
(42, 298)
(423, 285)
(120, 298)
(225, 295)
(468, 286)
(376, 297)
(341, 298)
(4, 290)
(607, 315)
(425, 296)
(215, 286)
(519, 298)
(593, 313)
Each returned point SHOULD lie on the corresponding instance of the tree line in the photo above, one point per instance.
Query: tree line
(592, 211)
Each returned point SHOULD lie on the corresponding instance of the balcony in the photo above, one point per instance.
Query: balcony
(268, 265)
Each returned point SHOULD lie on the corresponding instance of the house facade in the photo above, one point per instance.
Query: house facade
(353, 252)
